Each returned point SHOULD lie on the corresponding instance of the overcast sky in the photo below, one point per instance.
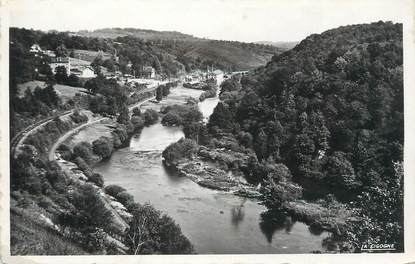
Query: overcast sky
(242, 20)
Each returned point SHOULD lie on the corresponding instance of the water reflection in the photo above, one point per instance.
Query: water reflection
(140, 170)
(271, 222)
(238, 213)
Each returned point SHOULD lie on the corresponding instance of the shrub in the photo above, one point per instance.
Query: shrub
(136, 111)
(116, 139)
(150, 117)
(171, 119)
(56, 177)
(97, 179)
(103, 147)
(184, 148)
(124, 116)
(137, 121)
(65, 152)
(113, 190)
(125, 198)
(121, 132)
(84, 151)
(191, 101)
(182, 114)
(45, 203)
(276, 195)
(77, 117)
(207, 94)
(340, 172)
(150, 232)
(83, 166)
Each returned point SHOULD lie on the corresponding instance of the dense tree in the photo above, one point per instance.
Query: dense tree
(150, 117)
(124, 116)
(136, 111)
(103, 147)
(61, 76)
(221, 118)
(97, 179)
(159, 94)
(73, 80)
(84, 151)
(61, 51)
(197, 132)
(330, 110)
(171, 119)
(184, 148)
(151, 232)
(137, 122)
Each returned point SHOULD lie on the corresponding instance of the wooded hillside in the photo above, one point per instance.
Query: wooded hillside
(331, 110)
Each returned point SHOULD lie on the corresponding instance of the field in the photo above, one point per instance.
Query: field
(89, 55)
(64, 92)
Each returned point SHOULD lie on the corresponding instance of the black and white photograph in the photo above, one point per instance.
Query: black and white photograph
(214, 128)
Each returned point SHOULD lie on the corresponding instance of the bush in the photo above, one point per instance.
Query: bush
(191, 101)
(207, 94)
(83, 166)
(73, 80)
(182, 114)
(125, 198)
(171, 119)
(97, 179)
(84, 151)
(136, 111)
(124, 116)
(113, 190)
(65, 152)
(340, 172)
(184, 148)
(150, 117)
(77, 117)
(150, 232)
(103, 147)
(138, 122)
(56, 177)
(116, 139)
(121, 132)
(276, 195)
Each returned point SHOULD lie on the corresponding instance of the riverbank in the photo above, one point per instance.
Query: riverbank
(217, 169)
(222, 169)
(139, 169)
(81, 158)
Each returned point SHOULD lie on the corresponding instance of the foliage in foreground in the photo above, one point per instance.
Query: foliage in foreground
(151, 232)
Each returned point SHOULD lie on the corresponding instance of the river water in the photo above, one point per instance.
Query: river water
(214, 221)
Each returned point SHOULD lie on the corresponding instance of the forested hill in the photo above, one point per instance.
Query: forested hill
(169, 52)
(341, 91)
(145, 34)
(229, 55)
(331, 110)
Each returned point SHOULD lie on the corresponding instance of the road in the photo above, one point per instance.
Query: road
(52, 150)
(17, 140)
(121, 223)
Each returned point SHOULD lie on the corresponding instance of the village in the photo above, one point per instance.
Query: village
(79, 64)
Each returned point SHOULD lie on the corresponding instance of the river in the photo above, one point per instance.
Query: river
(214, 221)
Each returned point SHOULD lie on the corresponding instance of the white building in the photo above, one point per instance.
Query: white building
(60, 61)
(84, 72)
(35, 48)
(49, 53)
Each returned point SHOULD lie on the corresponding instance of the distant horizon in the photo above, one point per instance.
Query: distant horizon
(176, 31)
(195, 36)
(234, 20)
